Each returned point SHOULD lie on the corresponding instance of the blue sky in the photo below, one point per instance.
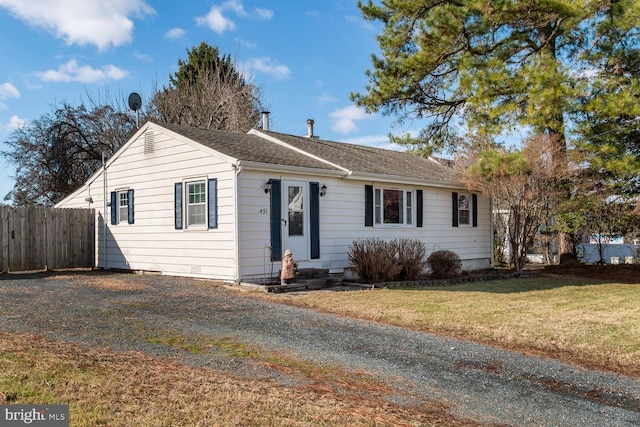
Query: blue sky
(306, 56)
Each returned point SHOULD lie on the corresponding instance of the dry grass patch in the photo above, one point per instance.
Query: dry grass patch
(582, 321)
(99, 280)
(112, 389)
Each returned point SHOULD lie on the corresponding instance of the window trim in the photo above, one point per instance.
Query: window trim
(468, 209)
(187, 205)
(117, 216)
(408, 213)
(182, 205)
(120, 197)
(472, 209)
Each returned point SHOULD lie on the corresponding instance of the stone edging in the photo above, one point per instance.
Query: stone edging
(442, 282)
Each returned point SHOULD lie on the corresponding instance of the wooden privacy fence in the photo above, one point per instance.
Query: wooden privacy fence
(39, 238)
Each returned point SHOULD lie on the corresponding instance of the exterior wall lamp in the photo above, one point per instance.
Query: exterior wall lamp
(266, 187)
(323, 190)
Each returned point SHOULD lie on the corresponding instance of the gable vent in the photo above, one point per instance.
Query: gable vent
(149, 142)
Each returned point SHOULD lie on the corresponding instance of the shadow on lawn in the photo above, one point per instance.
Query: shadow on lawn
(522, 284)
(549, 277)
(43, 274)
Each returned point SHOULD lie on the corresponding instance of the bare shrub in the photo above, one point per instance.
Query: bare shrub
(526, 186)
(444, 264)
(411, 257)
(374, 260)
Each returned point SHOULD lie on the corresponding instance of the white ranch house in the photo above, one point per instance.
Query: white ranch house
(192, 202)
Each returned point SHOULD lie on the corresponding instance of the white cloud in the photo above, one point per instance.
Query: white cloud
(216, 21)
(362, 23)
(263, 14)
(236, 6)
(7, 90)
(344, 119)
(268, 66)
(143, 56)
(325, 98)
(72, 72)
(15, 122)
(82, 22)
(377, 141)
(175, 33)
(246, 43)
(219, 23)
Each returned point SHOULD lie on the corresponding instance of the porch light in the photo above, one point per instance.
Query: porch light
(266, 187)
(323, 190)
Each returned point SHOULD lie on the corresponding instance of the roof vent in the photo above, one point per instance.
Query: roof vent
(265, 120)
(310, 134)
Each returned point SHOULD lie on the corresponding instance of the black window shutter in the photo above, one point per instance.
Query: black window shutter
(212, 202)
(368, 205)
(276, 217)
(114, 208)
(314, 219)
(454, 215)
(130, 206)
(178, 205)
(419, 208)
(474, 209)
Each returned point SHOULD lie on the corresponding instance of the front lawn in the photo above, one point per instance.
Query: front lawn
(584, 321)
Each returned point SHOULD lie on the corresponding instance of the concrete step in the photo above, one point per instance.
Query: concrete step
(303, 284)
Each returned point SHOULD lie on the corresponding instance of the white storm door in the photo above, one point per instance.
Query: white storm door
(295, 220)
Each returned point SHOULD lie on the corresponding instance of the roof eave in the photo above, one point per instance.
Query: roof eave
(398, 179)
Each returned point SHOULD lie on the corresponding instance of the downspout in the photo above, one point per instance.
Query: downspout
(236, 238)
(491, 234)
(104, 211)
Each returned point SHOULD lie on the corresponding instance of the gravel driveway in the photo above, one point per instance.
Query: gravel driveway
(481, 382)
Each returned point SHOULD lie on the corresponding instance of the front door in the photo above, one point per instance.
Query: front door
(295, 221)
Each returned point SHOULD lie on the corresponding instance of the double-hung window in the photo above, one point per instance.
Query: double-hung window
(122, 206)
(464, 209)
(393, 206)
(196, 204)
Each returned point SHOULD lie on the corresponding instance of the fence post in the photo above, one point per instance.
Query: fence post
(4, 239)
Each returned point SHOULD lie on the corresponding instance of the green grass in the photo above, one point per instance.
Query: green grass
(196, 344)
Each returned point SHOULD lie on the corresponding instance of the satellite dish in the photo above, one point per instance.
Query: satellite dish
(135, 102)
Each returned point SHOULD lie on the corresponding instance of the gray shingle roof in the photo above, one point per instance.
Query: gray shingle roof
(356, 158)
(365, 159)
(247, 147)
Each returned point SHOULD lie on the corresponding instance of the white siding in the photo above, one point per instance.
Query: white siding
(152, 243)
(342, 212)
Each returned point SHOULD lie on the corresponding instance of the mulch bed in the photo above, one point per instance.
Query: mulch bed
(621, 273)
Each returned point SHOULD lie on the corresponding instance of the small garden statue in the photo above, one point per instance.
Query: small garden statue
(288, 272)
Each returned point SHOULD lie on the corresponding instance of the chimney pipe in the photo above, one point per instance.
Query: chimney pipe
(265, 120)
(310, 128)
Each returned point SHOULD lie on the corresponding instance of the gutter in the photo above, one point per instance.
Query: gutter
(398, 179)
(299, 170)
(491, 234)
